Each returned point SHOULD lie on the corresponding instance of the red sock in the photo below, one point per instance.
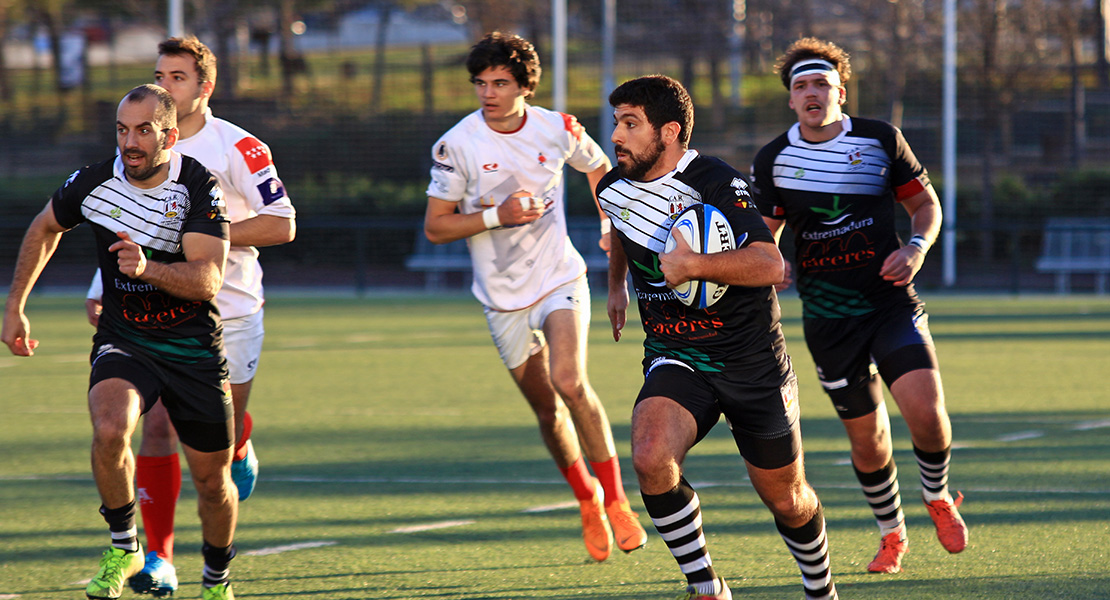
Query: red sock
(241, 445)
(157, 485)
(579, 479)
(609, 474)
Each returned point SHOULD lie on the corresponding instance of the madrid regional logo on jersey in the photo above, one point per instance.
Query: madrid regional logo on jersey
(254, 153)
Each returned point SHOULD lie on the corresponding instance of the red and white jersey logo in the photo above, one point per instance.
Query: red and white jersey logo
(254, 153)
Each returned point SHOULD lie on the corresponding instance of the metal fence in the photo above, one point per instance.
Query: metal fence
(351, 128)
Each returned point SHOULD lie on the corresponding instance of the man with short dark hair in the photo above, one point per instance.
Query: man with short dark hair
(497, 181)
(836, 181)
(261, 214)
(727, 359)
(161, 241)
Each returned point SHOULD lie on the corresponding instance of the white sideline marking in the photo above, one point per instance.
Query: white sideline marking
(432, 526)
(1088, 425)
(550, 507)
(1021, 435)
(288, 548)
(11, 596)
(362, 338)
(82, 582)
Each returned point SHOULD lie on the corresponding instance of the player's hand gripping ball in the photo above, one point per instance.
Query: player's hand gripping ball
(706, 230)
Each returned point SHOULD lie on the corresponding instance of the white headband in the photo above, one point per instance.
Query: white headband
(814, 65)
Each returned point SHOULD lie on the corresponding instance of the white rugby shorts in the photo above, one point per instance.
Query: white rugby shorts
(243, 344)
(518, 334)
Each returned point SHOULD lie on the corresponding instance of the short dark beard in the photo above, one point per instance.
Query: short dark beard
(642, 163)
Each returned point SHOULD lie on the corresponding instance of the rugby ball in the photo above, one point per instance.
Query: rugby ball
(705, 228)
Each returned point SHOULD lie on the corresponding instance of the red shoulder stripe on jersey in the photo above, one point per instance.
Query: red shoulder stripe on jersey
(909, 189)
(573, 126)
(254, 153)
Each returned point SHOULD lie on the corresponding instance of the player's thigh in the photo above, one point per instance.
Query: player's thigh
(515, 339)
(243, 337)
(122, 384)
(198, 400)
(841, 351)
(564, 317)
(759, 400)
(686, 388)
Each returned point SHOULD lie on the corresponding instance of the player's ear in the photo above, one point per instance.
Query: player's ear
(670, 132)
(171, 138)
(843, 94)
(206, 89)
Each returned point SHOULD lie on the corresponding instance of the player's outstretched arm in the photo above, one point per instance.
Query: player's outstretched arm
(617, 306)
(38, 246)
(263, 230)
(442, 224)
(199, 277)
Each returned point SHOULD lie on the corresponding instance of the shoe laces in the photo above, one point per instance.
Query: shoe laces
(624, 517)
(110, 565)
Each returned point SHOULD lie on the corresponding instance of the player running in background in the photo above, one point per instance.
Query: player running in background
(699, 364)
(497, 180)
(836, 180)
(261, 214)
(161, 244)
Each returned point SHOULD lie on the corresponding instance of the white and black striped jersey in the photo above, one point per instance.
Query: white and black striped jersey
(744, 324)
(839, 198)
(190, 200)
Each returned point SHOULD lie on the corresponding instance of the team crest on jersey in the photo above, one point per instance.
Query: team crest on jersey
(175, 204)
(542, 159)
(800, 173)
(490, 167)
(625, 214)
(116, 212)
(678, 204)
(855, 159)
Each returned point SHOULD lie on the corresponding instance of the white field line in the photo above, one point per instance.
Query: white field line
(432, 526)
(551, 507)
(1088, 425)
(288, 548)
(12, 596)
(1019, 436)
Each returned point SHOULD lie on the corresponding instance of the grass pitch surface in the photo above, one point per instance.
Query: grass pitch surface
(399, 461)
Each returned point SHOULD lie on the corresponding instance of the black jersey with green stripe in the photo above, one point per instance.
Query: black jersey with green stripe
(744, 324)
(145, 317)
(839, 199)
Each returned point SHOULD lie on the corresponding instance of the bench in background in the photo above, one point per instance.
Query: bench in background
(437, 260)
(1076, 245)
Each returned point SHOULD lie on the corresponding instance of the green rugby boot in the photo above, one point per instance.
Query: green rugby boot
(116, 567)
(219, 592)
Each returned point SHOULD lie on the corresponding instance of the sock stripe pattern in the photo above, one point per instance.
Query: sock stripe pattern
(810, 547)
(934, 471)
(883, 496)
(212, 578)
(677, 517)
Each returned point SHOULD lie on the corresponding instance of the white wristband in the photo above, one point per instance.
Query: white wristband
(606, 226)
(490, 218)
(919, 242)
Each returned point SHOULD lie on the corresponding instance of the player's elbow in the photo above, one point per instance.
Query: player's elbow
(290, 231)
(436, 237)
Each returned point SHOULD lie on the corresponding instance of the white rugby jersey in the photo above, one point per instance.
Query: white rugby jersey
(249, 179)
(246, 172)
(477, 167)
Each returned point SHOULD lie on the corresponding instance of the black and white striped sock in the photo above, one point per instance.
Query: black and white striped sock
(121, 525)
(934, 473)
(881, 491)
(216, 564)
(810, 547)
(677, 517)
